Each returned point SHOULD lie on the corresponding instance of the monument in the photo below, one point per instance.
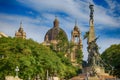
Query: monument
(95, 67)
(94, 59)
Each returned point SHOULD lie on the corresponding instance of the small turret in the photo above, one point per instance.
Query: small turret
(20, 33)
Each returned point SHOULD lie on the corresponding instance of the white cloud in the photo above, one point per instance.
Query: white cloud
(11, 23)
(113, 4)
(74, 8)
(114, 8)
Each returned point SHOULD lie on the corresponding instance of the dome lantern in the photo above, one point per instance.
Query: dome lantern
(56, 22)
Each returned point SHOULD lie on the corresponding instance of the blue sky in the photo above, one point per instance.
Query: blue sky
(37, 17)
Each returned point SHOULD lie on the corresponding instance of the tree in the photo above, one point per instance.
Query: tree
(111, 56)
(33, 59)
(62, 44)
(79, 56)
(69, 69)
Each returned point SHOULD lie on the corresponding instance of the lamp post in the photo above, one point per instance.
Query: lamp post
(112, 70)
(47, 75)
(16, 70)
(38, 77)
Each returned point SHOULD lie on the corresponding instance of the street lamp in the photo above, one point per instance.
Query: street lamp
(16, 70)
(37, 77)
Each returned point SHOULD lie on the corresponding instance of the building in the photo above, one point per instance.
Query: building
(53, 33)
(20, 33)
(51, 39)
(76, 41)
(3, 35)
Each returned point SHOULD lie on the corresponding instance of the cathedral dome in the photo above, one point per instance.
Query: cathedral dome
(53, 32)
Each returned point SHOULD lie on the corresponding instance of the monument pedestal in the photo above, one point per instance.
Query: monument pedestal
(99, 73)
(97, 69)
(93, 78)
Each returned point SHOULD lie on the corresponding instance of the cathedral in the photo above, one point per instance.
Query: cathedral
(50, 38)
(51, 35)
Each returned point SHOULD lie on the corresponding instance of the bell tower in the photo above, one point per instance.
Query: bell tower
(76, 41)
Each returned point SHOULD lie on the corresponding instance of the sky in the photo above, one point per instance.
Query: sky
(37, 18)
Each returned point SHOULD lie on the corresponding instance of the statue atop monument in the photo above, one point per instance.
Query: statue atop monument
(91, 11)
(91, 36)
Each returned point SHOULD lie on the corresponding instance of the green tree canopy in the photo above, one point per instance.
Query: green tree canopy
(111, 56)
(32, 59)
(62, 42)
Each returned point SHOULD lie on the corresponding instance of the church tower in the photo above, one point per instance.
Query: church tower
(77, 42)
(20, 33)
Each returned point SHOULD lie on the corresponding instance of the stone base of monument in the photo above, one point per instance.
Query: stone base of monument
(96, 69)
(99, 73)
(93, 78)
